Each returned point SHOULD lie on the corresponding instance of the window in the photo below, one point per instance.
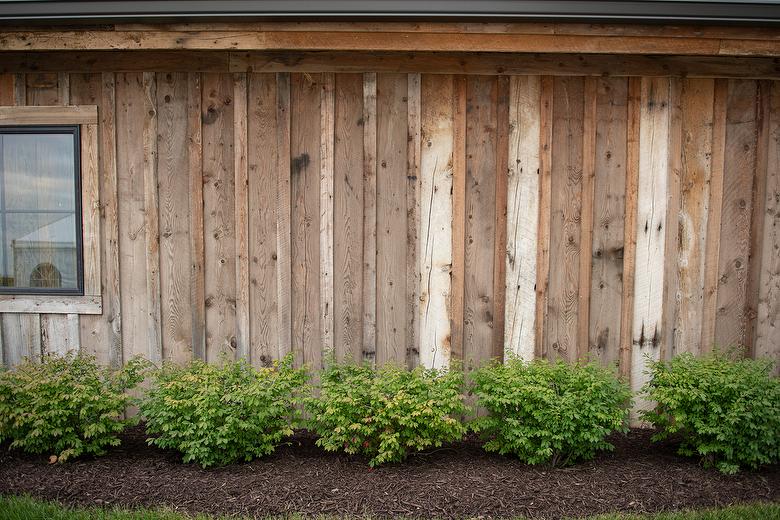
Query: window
(50, 210)
(40, 210)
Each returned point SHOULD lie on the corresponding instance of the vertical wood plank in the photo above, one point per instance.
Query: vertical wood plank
(151, 219)
(545, 217)
(735, 230)
(652, 193)
(219, 214)
(327, 142)
(15, 348)
(767, 333)
(608, 248)
(369, 216)
(435, 239)
(197, 258)
(589, 124)
(522, 215)
(457, 303)
(480, 211)
(501, 201)
(241, 214)
(174, 215)
(696, 169)
(348, 212)
(7, 89)
(566, 213)
(283, 198)
(413, 220)
(305, 217)
(20, 89)
(392, 128)
(263, 291)
(43, 88)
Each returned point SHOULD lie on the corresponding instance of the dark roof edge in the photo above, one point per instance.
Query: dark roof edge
(765, 12)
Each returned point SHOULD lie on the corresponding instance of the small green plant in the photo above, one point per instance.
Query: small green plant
(384, 414)
(726, 410)
(66, 406)
(220, 414)
(549, 412)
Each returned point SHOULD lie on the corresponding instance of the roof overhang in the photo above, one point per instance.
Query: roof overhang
(718, 12)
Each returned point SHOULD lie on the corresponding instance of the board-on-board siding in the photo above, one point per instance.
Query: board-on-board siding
(263, 213)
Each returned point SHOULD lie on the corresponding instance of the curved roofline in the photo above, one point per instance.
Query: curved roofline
(760, 12)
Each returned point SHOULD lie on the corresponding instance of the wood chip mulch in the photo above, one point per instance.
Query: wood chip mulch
(459, 481)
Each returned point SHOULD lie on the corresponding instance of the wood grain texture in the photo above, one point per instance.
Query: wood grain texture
(652, 193)
(767, 330)
(459, 173)
(48, 115)
(412, 220)
(283, 200)
(738, 173)
(435, 237)
(241, 211)
(500, 201)
(545, 205)
(522, 215)
(607, 251)
(480, 219)
(262, 160)
(369, 216)
(327, 138)
(566, 213)
(695, 179)
(174, 211)
(305, 166)
(218, 209)
(6, 89)
(348, 214)
(392, 128)
(195, 179)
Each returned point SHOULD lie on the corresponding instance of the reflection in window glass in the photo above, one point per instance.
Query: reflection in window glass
(40, 219)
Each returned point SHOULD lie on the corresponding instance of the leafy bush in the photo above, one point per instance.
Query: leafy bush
(65, 406)
(217, 415)
(543, 412)
(726, 411)
(386, 413)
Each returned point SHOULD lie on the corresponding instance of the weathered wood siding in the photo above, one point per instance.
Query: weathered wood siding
(420, 218)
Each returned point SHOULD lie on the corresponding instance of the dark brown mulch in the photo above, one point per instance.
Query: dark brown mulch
(460, 481)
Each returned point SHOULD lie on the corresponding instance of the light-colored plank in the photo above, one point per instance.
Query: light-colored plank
(369, 217)
(738, 172)
(499, 245)
(241, 166)
(695, 178)
(392, 128)
(435, 238)
(327, 136)
(262, 159)
(151, 220)
(522, 215)
(174, 214)
(607, 252)
(412, 220)
(348, 202)
(652, 193)
(565, 213)
(59, 334)
(14, 349)
(590, 105)
(50, 304)
(480, 228)
(218, 211)
(457, 305)
(545, 205)
(20, 89)
(90, 209)
(43, 89)
(767, 332)
(283, 201)
(30, 328)
(305, 105)
(197, 257)
(49, 115)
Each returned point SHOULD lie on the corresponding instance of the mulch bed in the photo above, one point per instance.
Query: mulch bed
(459, 481)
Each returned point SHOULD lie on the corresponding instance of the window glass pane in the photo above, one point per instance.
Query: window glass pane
(38, 218)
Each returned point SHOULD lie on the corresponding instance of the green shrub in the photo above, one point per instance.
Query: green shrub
(726, 411)
(65, 406)
(386, 413)
(216, 415)
(545, 412)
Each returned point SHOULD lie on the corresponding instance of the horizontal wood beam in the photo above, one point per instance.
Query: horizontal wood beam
(381, 41)
(51, 304)
(425, 62)
(49, 115)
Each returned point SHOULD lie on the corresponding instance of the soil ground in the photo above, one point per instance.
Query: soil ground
(458, 481)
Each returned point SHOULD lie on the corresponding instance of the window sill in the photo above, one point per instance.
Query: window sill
(51, 304)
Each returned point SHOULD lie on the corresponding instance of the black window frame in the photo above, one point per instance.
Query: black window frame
(75, 131)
